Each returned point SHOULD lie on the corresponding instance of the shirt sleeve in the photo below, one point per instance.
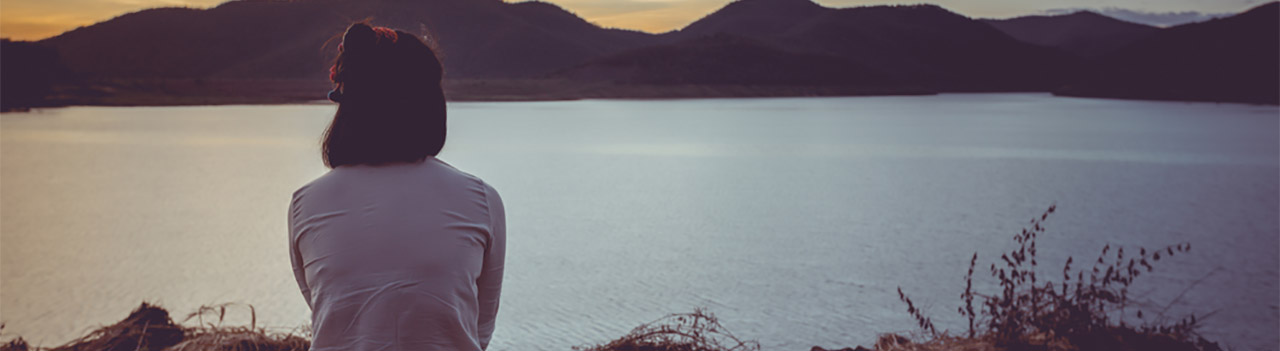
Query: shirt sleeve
(489, 284)
(299, 272)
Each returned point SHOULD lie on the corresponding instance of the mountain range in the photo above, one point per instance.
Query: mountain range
(1230, 59)
(297, 39)
(1085, 34)
(491, 45)
(921, 46)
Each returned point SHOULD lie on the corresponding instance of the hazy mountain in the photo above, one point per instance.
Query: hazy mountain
(1157, 19)
(1232, 59)
(1086, 34)
(296, 39)
(922, 45)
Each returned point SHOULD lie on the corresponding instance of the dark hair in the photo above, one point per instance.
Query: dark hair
(391, 106)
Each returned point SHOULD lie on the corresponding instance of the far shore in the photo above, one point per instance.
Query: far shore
(179, 92)
(196, 92)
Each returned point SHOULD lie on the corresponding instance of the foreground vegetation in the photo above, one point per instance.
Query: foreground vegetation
(150, 328)
(1085, 310)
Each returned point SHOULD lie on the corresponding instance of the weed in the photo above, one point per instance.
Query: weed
(1032, 312)
(697, 331)
(149, 328)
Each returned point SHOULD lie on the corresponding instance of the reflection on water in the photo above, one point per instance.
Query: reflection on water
(793, 219)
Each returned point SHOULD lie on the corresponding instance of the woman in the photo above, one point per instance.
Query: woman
(393, 248)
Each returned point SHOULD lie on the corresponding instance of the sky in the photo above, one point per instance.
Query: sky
(38, 19)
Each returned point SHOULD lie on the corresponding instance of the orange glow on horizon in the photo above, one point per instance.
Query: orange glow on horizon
(650, 16)
(40, 19)
(21, 26)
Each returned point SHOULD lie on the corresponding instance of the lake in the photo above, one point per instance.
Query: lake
(792, 219)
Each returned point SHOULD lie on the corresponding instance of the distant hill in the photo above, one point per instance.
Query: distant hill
(753, 18)
(236, 39)
(296, 39)
(1086, 34)
(29, 71)
(246, 51)
(1161, 19)
(1234, 59)
(921, 45)
(724, 59)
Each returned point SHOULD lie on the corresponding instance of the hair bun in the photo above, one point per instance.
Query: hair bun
(359, 37)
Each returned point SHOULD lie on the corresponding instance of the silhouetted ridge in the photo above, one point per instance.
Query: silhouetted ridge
(921, 45)
(1086, 34)
(549, 15)
(1233, 59)
(724, 59)
(284, 47)
(29, 71)
(294, 39)
(754, 18)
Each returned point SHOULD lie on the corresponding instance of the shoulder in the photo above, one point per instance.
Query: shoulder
(490, 193)
(464, 175)
(319, 182)
(330, 182)
(491, 196)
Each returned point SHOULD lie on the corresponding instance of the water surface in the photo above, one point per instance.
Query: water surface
(794, 220)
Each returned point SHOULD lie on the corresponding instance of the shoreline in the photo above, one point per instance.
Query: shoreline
(184, 92)
(197, 92)
(178, 92)
(151, 327)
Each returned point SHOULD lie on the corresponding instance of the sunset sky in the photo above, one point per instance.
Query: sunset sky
(38, 19)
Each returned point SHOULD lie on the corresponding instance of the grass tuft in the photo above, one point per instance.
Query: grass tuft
(697, 331)
(149, 328)
(1085, 310)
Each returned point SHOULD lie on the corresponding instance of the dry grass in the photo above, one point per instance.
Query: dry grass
(697, 331)
(1086, 310)
(240, 339)
(149, 328)
(893, 342)
(1083, 311)
(210, 335)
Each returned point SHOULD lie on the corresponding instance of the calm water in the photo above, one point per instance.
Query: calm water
(794, 220)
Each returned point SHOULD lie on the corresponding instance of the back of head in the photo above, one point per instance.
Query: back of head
(391, 107)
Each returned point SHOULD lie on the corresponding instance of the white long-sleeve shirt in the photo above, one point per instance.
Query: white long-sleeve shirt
(399, 257)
